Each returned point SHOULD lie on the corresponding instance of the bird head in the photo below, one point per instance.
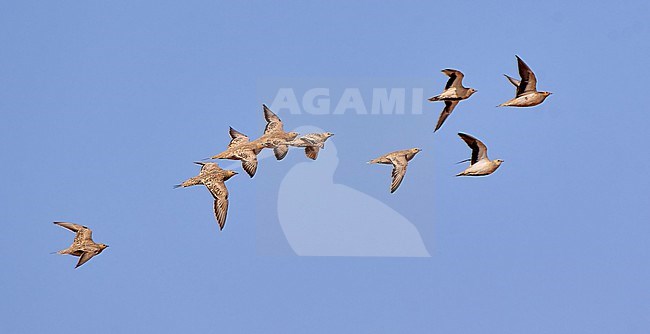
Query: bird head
(416, 150)
(471, 91)
(102, 247)
(229, 174)
(328, 134)
(292, 135)
(498, 162)
(546, 94)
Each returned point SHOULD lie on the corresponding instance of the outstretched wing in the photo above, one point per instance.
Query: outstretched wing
(455, 78)
(70, 226)
(513, 81)
(449, 107)
(399, 170)
(85, 257)
(83, 233)
(238, 138)
(219, 191)
(273, 122)
(312, 152)
(479, 150)
(249, 162)
(280, 151)
(528, 80)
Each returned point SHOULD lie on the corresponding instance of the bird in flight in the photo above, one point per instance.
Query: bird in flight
(399, 160)
(312, 143)
(241, 148)
(274, 134)
(453, 93)
(83, 245)
(213, 178)
(526, 94)
(480, 164)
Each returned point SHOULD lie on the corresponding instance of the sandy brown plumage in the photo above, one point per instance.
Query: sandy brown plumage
(399, 160)
(454, 91)
(480, 164)
(83, 245)
(312, 143)
(526, 94)
(274, 135)
(242, 149)
(213, 178)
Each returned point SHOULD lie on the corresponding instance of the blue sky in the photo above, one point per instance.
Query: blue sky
(104, 105)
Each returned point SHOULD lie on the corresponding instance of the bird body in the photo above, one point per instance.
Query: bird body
(244, 150)
(481, 168)
(526, 100)
(83, 245)
(312, 143)
(453, 93)
(480, 164)
(274, 135)
(526, 94)
(399, 160)
(213, 177)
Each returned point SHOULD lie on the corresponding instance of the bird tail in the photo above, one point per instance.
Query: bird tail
(217, 156)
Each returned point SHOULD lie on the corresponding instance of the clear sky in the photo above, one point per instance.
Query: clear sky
(104, 105)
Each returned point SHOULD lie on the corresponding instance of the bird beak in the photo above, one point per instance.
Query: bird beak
(235, 173)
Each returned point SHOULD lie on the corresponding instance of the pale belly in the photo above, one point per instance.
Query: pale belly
(481, 168)
(449, 94)
(528, 100)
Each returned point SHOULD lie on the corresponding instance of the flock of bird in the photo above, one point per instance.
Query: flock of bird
(274, 137)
